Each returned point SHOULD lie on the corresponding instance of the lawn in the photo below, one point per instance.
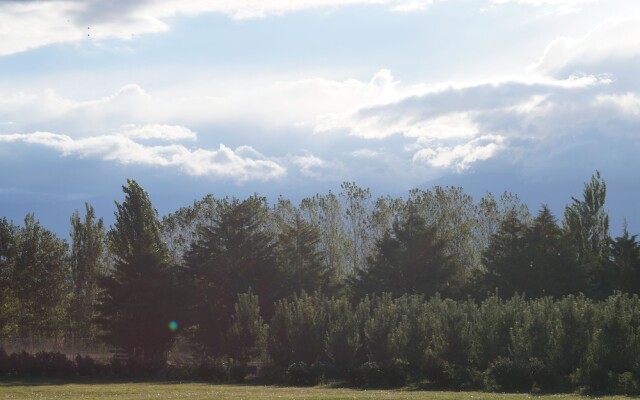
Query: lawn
(197, 391)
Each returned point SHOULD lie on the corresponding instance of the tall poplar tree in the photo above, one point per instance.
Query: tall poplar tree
(87, 262)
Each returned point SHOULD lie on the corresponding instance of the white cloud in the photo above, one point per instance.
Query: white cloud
(29, 24)
(223, 163)
(365, 153)
(628, 103)
(610, 42)
(309, 164)
(553, 6)
(461, 156)
(161, 132)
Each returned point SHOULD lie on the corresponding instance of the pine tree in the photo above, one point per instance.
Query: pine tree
(234, 255)
(301, 261)
(138, 299)
(505, 259)
(247, 334)
(408, 259)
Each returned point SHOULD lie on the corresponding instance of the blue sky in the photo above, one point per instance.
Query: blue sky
(294, 97)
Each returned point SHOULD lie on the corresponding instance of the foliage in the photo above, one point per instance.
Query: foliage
(409, 259)
(235, 254)
(139, 296)
(247, 334)
(87, 253)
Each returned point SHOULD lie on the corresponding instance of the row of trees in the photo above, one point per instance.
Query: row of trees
(514, 344)
(129, 283)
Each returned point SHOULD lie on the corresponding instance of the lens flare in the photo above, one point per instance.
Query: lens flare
(173, 326)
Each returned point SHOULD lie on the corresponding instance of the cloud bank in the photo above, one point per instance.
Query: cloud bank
(240, 165)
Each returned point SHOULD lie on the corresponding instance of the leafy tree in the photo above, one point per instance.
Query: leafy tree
(183, 227)
(39, 280)
(8, 301)
(325, 212)
(587, 222)
(235, 254)
(87, 254)
(138, 299)
(357, 218)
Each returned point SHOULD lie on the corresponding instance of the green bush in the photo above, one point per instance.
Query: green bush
(510, 376)
(237, 372)
(303, 374)
(211, 370)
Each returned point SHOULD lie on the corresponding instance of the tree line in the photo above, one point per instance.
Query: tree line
(194, 272)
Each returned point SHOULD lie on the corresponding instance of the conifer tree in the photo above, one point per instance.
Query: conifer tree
(138, 299)
(408, 259)
(301, 262)
(234, 255)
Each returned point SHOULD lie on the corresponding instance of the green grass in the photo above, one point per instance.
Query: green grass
(201, 391)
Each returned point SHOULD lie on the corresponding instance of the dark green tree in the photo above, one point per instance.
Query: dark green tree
(247, 334)
(551, 257)
(301, 262)
(87, 263)
(536, 260)
(625, 251)
(408, 259)
(235, 254)
(505, 259)
(138, 299)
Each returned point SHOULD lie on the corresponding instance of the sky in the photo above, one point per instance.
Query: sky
(294, 97)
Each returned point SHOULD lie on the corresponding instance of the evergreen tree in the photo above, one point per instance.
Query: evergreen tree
(536, 260)
(409, 259)
(234, 255)
(505, 259)
(138, 299)
(625, 251)
(247, 334)
(301, 261)
(553, 267)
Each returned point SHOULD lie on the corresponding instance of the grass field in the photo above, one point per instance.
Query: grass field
(201, 391)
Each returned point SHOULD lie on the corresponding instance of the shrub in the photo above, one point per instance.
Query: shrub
(4, 362)
(237, 372)
(303, 374)
(371, 374)
(396, 372)
(626, 384)
(86, 366)
(510, 375)
(211, 370)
